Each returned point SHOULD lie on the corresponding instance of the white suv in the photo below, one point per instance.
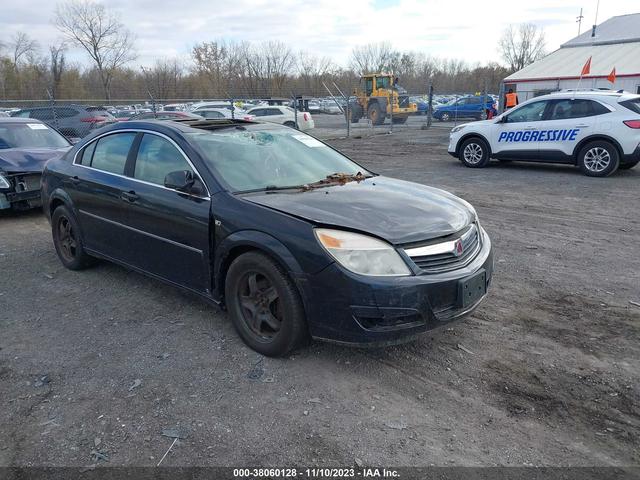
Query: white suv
(283, 115)
(597, 131)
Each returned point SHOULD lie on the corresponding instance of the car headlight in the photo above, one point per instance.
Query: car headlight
(4, 183)
(457, 129)
(362, 254)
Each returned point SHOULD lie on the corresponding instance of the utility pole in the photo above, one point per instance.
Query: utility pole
(579, 21)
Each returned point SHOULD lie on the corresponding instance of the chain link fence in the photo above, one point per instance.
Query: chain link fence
(339, 113)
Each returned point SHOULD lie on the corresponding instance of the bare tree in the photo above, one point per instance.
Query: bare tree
(58, 61)
(522, 45)
(371, 58)
(21, 45)
(100, 33)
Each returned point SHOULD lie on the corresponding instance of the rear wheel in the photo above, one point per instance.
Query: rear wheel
(445, 117)
(628, 166)
(375, 114)
(290, 124)
(474, 153)
(67, 240)
(265, 305)
(355, 113)
(598, 159)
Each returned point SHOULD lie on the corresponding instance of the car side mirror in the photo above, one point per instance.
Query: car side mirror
(181, 180)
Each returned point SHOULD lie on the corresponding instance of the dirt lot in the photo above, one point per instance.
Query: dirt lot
(95, 364)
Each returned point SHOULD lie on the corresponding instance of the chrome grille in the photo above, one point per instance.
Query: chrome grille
(449, 255)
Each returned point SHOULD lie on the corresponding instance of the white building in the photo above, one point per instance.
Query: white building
(614, 44)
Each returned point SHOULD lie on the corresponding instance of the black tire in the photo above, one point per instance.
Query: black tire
(598, 159)
(474, 153)
(264, 305)
(445, 117)
(68, 240)
(399, 120)
(355, 112)
(628, 166)
(290, 124)
(375, 114)
(482, 115)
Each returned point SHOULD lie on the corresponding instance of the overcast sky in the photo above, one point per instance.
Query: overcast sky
(463, 29)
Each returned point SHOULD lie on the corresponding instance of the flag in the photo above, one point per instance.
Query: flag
(612, 76)
(587, 68)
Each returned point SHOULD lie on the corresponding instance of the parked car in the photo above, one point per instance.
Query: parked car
(164, 115)
(330, 106)
(25, 146)
(237, 111)
(73, 121)
(283, 115)
(294, 223)
(218, 113)
(4, 114)
(123, 115)
(598, 131)
(423, 105)
(174, 107)
(465, 107)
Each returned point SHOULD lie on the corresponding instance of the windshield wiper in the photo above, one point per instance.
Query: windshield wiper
(337, 178)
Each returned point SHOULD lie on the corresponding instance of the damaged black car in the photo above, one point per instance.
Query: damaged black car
(25, 146)
(296, 240)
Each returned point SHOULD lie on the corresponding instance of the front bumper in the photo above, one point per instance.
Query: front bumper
(354, 309)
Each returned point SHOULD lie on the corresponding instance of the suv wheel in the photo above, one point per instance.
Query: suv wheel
(598, 159)
(445, 117)
(264, 305)
(67, 240)
(474, 153)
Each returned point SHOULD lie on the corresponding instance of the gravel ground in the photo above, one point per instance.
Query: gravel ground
(94, 365)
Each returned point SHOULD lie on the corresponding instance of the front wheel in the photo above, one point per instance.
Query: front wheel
(598, 159)
(265, 305)
(445, 117)
(474, 153)
(67, 240)
(290, 124)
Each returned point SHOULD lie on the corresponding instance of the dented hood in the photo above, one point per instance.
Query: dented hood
(16, 160)
(395, 210)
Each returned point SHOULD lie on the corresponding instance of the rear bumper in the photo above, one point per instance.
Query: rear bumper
(357, 310)
(632, 157)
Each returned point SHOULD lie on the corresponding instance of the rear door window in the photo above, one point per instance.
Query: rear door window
(111, 152)
(575, 108)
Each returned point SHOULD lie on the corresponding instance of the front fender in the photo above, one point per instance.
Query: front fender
(252, 240)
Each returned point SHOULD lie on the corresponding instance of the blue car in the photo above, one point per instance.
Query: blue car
(465, 107)
(423, 106)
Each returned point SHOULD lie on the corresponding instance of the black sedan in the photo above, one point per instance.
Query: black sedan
(295, 239)
(25, 146)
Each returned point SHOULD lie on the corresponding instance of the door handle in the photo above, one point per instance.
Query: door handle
(529, 128)
(582, 125)
(75, 180)
(129, 196)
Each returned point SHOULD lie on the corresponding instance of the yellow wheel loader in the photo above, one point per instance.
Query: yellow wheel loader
(379, 97)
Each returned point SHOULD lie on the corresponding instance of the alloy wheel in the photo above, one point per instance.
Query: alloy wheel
(597, 159)
(260, 305)
(472, 153)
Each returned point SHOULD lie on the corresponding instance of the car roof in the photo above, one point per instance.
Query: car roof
(188, 125)
(18, 120)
